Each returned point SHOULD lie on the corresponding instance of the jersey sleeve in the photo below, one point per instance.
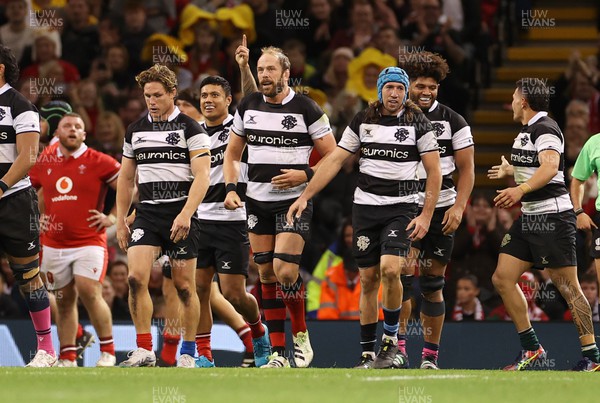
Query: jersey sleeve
(461, 133)
(108, 168)
(584, 167)
(127, 147)
(547, 139)
(317, 121)
(25, 116)
(196, 136)
(238, 119)
(350, 140)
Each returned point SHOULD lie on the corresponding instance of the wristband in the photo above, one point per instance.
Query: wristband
(309, 173)
(522, 187)
(230, 187)
(112, 218)
(579, 211)
(3, 186)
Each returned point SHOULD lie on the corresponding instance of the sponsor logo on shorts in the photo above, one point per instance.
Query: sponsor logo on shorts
(505, 240)
(363, 242)
(182, 250)
(392, 233)
(31, 245)
(252, 221)
(439, 251)
(226, 265)
(137, 234)
(544, 260)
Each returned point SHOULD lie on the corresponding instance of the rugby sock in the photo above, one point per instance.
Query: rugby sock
(245, 336)
(79, 331)
(107, 345)
(390, 322)
(203, 345)
(274, 309)
(144, 340)
(68, 353)
(293, 297)
(529, 340)
(430, 349)
(368, 337)
(189, 348)
(591, 351)
(402, 343)
(257, 328)
(169, 349)
(39, 310)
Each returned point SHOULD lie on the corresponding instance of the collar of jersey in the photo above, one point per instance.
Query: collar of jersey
(172, 116)
(287, 99)
(227, 120)
(83, 148)
(433, 106)
(5, 88)
(536, 117)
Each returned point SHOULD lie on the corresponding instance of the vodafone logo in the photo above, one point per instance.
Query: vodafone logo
(64, 185)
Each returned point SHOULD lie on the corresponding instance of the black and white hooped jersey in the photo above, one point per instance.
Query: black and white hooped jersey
(390, 151)
(541, 133)
(453, 134)
(17, 115)
(162, 153)
(212, 207)
(279, 136)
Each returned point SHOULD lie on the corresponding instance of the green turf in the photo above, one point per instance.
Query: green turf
(172, 385)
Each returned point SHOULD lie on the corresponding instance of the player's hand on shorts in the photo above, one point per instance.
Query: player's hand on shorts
(242, 53)
(123, 234)
(508, 197)
(130, 219)
(180, 228)
(500, 171)
(99, 220)
(585, 223)
(295, 210)
(420, 226)
(232, 201)
(288, 179)
(452, 219)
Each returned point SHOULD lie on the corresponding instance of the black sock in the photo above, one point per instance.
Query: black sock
(529, 340)
(368, 337)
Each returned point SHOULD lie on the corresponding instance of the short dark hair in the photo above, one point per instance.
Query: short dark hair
(535, 92)
(217, 80)
(472, 278)
(588, 278)
(11, 67)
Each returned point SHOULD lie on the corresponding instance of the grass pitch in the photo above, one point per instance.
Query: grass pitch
(173, 385)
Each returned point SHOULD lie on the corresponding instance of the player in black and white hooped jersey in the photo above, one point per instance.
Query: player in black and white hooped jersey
(432, 253)
(393, 136)
(280, 129)
(544, 235)
(170, 152)
(19, 213)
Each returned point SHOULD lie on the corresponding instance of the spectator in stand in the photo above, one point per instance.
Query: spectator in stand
(476, 245)
(118, 62)
(80, 37)
(323, 21)
(267, 33)
(530, 288)
(467, 306)
(46, 50)
(300, 72)
(335, 77)
(134, 32)
(109, 134)
(340, 291)
(118, 307)
(117, 272)
(188, 102)
(388, 41)
(431, 31)
(131, 109)
(8, 307)
(361, 31)
(168, 50)
(576, 134)
(205, 55)
(16, 33)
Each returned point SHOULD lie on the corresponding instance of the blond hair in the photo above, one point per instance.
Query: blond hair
(284, 61)
(158, 73)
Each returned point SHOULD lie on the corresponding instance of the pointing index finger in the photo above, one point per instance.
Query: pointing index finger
(244, 41)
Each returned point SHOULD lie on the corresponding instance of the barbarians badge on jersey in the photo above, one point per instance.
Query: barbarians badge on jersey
(137, 234)
(524, 140)
(2, 113)
(289, 122)
(363, 242)
(252, 221)
(438, 128)
(401, 134)
(173, 138)
(223, 135)
(505, 240)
